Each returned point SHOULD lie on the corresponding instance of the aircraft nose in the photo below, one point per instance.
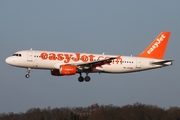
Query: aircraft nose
(12, 61)
(8, 60)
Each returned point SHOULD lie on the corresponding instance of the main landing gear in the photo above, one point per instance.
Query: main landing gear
(86, 78)
(28, 73)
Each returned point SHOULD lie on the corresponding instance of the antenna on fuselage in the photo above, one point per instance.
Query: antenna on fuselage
(31, 49)
(103, 53)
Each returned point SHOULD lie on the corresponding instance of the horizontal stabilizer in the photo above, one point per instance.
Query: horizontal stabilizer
(164, 62)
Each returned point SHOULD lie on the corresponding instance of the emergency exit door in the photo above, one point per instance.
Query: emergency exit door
(138, 63)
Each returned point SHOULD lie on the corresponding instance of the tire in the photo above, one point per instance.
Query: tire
(87, 78)
(27, 75)
(80, 79)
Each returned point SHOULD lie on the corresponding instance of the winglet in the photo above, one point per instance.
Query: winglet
(157, 48)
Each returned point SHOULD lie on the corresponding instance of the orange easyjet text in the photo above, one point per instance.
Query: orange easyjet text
(76, 57)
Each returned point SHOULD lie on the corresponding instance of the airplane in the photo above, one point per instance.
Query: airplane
(70, 63)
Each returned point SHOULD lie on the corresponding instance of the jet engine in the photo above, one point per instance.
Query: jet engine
(64, 70)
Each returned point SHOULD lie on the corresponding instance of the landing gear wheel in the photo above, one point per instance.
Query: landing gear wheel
(27, 75)
(80, 79)
(87, 78)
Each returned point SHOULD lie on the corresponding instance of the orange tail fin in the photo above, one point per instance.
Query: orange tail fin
(157, 48)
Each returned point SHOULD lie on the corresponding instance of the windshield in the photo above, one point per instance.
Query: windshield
(19, 55)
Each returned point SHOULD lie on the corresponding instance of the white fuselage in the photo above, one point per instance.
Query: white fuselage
(36, 59)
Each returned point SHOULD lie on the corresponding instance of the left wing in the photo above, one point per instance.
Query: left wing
(94, 64)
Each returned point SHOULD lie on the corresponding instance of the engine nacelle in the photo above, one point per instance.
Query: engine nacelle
(55, 72)
(64, 70)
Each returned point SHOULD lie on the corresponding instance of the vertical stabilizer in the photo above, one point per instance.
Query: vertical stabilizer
(157, 48)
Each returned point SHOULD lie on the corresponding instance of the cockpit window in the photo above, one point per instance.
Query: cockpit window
(19, 55)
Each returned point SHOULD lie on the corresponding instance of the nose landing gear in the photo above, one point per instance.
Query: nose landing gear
(28, 73)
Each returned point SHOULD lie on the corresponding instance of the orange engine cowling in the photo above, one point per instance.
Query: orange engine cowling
(64, 70)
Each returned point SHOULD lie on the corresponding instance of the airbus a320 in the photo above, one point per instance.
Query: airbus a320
(70, 63)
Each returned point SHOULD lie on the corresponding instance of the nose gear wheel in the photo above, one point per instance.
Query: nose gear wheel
(28, 73)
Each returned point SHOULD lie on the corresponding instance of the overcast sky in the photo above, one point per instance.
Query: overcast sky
(122, 27)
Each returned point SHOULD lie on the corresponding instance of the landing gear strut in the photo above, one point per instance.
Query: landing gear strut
(81, 79)
(28, 73)
(87, 78)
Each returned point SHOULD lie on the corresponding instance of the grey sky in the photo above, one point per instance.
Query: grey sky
(114, 27)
